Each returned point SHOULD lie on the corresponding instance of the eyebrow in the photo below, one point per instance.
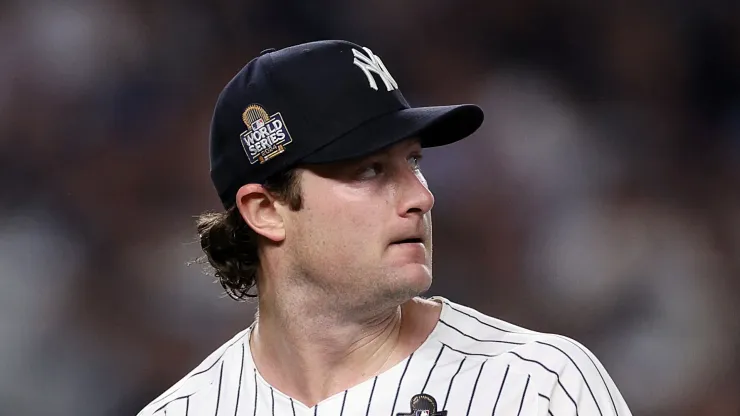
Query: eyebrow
(412, 147)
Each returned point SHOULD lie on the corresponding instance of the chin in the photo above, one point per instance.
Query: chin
(414, 279)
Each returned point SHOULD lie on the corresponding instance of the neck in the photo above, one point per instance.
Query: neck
(310, 353)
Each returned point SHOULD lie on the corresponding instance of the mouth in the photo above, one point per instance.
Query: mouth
(409, 241)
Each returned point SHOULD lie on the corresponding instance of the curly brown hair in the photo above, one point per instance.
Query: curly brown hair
(230, 244)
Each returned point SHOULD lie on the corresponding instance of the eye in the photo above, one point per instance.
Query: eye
(370, 171)
(415, 161)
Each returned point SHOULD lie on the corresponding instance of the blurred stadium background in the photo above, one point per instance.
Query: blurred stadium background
(601, 199)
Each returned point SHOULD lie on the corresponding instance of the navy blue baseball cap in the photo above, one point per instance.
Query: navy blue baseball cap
(313, 103)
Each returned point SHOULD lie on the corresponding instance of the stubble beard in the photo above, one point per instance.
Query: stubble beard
(358, 294)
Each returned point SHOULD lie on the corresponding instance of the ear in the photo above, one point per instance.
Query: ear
(257, 208)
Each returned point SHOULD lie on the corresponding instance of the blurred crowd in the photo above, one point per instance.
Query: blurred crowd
(600, 200)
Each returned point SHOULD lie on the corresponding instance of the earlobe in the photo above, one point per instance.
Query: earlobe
(257, 208)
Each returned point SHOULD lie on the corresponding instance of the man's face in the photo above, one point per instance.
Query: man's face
(364, 232)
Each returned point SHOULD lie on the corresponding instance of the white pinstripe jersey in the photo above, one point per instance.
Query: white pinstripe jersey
(471, 364)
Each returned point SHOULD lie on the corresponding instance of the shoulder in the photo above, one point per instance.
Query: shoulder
(560, 367)
(201, 379)
(465, 327)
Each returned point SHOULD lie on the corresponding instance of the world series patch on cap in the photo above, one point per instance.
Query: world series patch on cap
(265, 137)
(314, 103)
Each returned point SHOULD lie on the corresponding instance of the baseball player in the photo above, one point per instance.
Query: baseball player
(315, 156)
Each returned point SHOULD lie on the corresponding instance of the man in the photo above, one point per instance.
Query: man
(315, 156)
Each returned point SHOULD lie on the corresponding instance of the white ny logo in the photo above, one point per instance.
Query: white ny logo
(372, 63)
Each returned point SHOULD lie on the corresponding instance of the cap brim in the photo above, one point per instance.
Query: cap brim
(434, 126)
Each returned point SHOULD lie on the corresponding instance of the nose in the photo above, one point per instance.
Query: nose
(416, 196)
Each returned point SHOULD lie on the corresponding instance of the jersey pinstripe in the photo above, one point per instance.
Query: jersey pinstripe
(471, 364)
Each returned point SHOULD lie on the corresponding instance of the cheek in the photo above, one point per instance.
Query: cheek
(341, 230)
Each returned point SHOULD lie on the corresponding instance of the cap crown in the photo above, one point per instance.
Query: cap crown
(286, 104)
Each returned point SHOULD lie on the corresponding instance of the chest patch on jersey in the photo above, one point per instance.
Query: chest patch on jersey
(423, 405)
